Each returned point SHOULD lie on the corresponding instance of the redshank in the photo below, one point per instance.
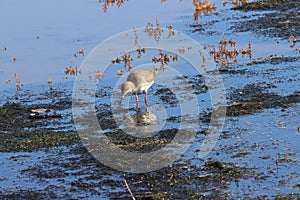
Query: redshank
(139, 81)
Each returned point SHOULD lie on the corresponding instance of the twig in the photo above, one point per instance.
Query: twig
(129, 189)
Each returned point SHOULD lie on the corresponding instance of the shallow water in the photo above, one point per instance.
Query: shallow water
(264, 141)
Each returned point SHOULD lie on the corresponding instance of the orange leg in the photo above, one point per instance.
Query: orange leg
(146, 101)
(136, 100)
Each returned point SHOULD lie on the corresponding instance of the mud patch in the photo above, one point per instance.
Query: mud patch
(186, 181)
(281, 23)
(21, 133)
(254, 98)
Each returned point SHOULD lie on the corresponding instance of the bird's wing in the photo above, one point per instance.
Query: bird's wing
(133, 77)
(149, 76)
(141, 78)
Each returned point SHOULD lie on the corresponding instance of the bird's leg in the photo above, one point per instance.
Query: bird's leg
(146, 101)
(136, 100)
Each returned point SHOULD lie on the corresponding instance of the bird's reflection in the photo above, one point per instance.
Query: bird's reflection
(141, 124)
(141, 118)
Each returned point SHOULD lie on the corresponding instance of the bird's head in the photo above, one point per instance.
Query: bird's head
(127, 87)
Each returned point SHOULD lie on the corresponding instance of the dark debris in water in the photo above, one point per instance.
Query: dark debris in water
(282, 22)
(34, 140)
(28, 194)
(186, 181)
(167, 96)
(19, 132)
(275, 60)
(287, 196)
(281, 5)
(253, 98)
(131, 143)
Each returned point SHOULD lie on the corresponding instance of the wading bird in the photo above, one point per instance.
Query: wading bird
(139, 81)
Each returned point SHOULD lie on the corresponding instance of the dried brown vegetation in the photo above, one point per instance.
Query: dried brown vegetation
(227, 52)
(108, 3)
(202, 7)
